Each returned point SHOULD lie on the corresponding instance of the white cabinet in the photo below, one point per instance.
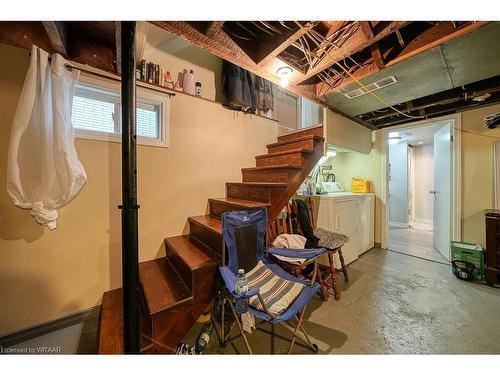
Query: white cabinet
(350, 214)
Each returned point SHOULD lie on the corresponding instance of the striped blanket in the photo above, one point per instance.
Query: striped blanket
(277, 293)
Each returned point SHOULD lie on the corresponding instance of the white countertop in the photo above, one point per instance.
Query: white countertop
(338, 194)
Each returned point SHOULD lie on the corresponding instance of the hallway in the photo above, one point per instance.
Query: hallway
(414, 242)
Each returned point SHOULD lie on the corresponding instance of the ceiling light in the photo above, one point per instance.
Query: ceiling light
(284, 74)
(420, 143)
(394, 140)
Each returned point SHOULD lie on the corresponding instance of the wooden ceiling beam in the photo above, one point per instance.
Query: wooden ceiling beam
(357, 42)
(271, 50)
(57, 34)
(213, 28)
(433, 37)
(377, 56)
(224, 47)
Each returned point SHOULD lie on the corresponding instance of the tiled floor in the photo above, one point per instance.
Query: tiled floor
(414, 242)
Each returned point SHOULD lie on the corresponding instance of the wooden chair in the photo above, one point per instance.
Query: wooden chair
(283, 225)
(332, 278)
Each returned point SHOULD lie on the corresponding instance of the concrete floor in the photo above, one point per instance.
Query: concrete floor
(395, 303)
(414, 242)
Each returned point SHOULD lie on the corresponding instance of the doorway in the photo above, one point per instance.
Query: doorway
(421, 174)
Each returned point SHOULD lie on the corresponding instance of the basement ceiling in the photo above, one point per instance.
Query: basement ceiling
(466, 59)
(440, 66)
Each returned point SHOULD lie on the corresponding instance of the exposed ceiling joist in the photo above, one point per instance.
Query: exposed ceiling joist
(377, 56)
(357, 42)
(272, 50)
(213, 28)
(435, 36)
(56, 32)
(223, 46)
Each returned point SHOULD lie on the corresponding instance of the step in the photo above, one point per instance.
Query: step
(111, 325)
(312, 130)
(189, 257)
(293, 157)
(220, 205)
(162, 287)
(306, 142)
(254, 191)
(208, 230)
(270, 173)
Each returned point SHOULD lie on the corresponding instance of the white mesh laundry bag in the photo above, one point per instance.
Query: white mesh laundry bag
(43, 170)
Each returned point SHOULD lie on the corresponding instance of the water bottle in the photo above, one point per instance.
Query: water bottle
(241, 303)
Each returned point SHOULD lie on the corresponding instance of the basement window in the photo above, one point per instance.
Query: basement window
(97, 112)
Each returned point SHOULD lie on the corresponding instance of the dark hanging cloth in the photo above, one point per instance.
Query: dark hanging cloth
(263, 94)
(305, 224)
(246, 91)
(237, 86)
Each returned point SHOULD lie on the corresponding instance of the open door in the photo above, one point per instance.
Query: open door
(442, 191)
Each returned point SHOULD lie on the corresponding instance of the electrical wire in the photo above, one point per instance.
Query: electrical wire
(359, 83)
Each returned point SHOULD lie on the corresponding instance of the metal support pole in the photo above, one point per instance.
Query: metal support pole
(130, 245)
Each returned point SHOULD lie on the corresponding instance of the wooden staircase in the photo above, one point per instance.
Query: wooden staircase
(177, 288)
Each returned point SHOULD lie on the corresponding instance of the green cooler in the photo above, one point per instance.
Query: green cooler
(468, 252)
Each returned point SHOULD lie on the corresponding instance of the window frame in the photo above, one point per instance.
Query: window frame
(148, 97)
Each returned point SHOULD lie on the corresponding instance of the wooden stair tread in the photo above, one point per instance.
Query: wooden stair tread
(240, 202)
(284, 153)
(163, 288)
(111, 325)
(189, 250)
(303, 131)
(260, 184)
(271, 167)
(209, 222)
(294, 140)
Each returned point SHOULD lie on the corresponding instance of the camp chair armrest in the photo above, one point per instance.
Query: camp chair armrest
(296, 253)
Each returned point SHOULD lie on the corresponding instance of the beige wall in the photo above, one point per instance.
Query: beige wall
(477, 172)
(45, 275)
(176, 54)
(340, 131)
(347, 165)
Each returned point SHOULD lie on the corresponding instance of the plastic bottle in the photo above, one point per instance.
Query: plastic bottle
(189, 83)
(204, 337)
(241, 303)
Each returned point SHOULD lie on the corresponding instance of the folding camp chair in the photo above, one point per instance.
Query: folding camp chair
(274, 296)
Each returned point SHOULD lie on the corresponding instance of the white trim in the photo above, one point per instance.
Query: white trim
(398, 225)
(145, 95)
(456, 183)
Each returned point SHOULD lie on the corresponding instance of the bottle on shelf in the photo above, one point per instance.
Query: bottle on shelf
(188, 82)
(241, 303)
(198, 89)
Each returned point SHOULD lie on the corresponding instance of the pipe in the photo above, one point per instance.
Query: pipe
(130, 245)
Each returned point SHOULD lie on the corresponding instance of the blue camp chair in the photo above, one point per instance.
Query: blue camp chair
(274, 295)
